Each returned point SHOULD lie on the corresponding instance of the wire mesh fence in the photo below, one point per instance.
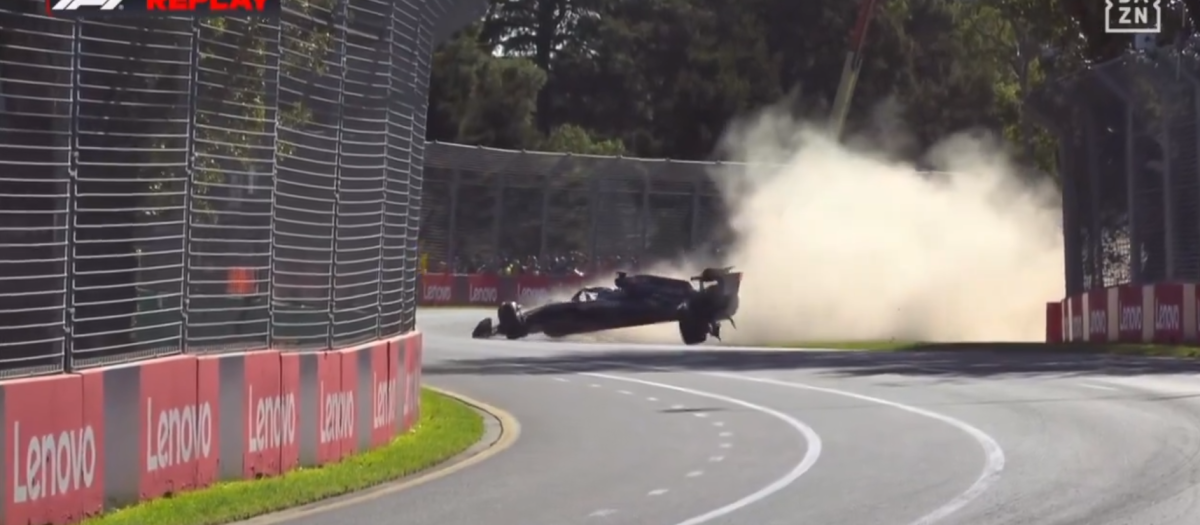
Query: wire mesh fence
(202, 185)
(484, 207)
(1129, 145)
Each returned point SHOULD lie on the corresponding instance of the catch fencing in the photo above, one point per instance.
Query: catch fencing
(1129, 155)
(483, 208)
(175, 185)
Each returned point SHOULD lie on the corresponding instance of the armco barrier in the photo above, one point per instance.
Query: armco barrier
(78, 444)
(446, 289)
(1165, 313)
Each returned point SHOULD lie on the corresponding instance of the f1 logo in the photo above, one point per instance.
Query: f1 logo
(74, 5)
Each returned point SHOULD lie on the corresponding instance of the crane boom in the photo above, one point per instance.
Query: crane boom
(851, 67)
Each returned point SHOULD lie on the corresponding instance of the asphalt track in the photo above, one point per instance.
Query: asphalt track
(658, 435)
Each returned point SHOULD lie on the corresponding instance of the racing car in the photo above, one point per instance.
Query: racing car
(635, 300)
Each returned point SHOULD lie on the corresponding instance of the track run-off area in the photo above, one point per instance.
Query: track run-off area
(669, 435)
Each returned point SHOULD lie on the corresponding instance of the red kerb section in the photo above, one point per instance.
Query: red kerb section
(54, 429)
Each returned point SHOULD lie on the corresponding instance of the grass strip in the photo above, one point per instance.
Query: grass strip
(447, 427)
(1088, 348)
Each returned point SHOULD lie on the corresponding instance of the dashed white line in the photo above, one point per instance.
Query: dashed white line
(716, 459)
(657, 492)
(726, 445)
(718, 423)
(695, 473)
(602, 513)
(595, 385)
(561, 380)
(700, 414)
(812, 450)
(677, 407)
(725, 434)
(625, 392)
(651, 399)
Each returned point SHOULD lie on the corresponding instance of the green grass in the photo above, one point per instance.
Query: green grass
(447, 427)
(1091, 348)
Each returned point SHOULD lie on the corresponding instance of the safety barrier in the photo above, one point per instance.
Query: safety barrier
(81, 443)
(1163, 313)
(476, 289)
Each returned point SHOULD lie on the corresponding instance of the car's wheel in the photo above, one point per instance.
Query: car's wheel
(484, 329)
(692, 329)
(511, 323)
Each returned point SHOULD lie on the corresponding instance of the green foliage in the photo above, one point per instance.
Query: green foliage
(570, 138)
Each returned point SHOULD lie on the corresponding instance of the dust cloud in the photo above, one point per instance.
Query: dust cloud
(841, 242)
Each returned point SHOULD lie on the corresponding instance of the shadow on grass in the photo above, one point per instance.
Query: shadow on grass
(913, 359)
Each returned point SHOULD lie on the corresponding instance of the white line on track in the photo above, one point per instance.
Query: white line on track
(657, 492)
(695, 473)
(718, 423)
(651, 399)
(812, 450)
(561, 379)
(700, 414)
(726, 445)
(625, 392)
(726, 434)
(1097, 387)
(716, 459)
(994, 455)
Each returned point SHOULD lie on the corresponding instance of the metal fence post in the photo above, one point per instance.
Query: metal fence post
(68, 361)
(275, 158)
(343, 20)
(1168, 201)
(1131, 187)
(185, 284)
(1095, 238)
(644, 220)
(498, 208)
(452, 235)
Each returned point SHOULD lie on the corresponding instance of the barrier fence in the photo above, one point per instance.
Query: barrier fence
(213, 184)
(231, 203)
(1130, 163)
(485, 207)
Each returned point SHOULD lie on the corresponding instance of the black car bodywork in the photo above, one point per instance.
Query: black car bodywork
(635, 300)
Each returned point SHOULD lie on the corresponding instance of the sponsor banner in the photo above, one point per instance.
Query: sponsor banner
(1075, 318)
(1168, 313)
(437, 289)
(53, 448)
(271, 415)
(179, 435)
(440, 289)
(1097, 312)
(179, 423)
(483, 289)
(1130, 314)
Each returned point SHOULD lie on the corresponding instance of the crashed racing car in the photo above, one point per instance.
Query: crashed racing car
(635, 300)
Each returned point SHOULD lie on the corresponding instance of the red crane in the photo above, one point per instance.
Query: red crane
(845, 91)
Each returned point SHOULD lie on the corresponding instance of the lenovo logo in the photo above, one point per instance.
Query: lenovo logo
(1097, 322)
(1167, 317)
(1131, 318)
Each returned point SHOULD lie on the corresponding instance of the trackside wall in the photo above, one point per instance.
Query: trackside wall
(81, 443)
(1162, 313)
